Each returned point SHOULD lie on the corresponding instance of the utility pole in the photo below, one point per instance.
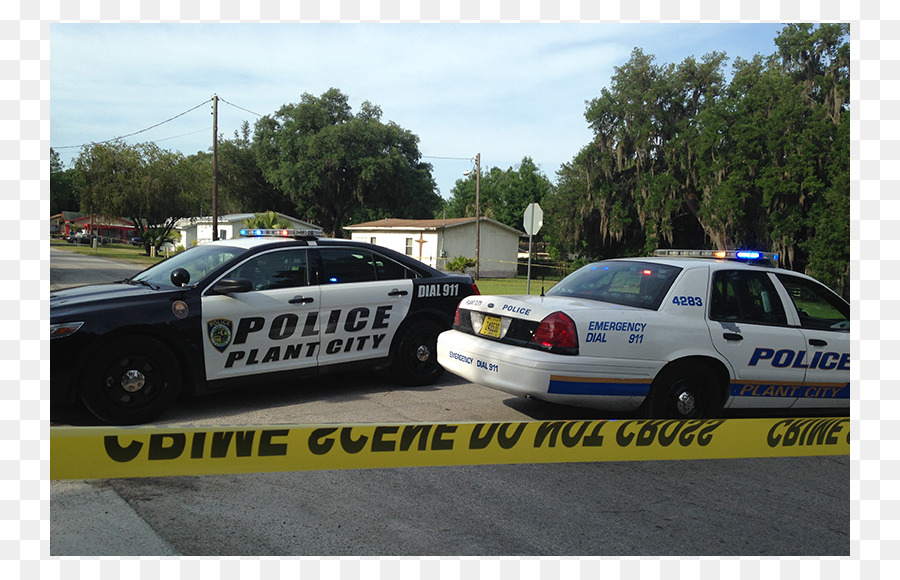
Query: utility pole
(477, 214)
(215, 199)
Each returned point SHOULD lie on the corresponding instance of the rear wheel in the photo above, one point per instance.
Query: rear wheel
(415, 360)
(684, 391)
(132, 381)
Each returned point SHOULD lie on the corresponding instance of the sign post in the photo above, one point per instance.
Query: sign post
(532, 220)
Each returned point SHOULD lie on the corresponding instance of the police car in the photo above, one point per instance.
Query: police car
(271, 303)
(682, 334)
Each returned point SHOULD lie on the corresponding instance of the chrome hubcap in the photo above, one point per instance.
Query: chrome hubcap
(423, 353)
(685, 403)
(133, 381)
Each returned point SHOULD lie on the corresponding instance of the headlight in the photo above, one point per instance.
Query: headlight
(64, 329)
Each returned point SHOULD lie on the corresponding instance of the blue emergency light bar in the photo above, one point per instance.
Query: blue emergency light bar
(282, 233)
(746, 255)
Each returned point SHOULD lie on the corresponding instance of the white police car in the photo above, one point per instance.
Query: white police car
(247, 310)
(670, 336)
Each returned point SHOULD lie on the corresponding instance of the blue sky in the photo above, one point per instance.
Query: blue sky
(505, 91)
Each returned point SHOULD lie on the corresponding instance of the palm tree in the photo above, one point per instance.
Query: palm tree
(268, 220)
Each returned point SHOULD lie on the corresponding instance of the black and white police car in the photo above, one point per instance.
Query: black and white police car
(670, 336)
(270, 303)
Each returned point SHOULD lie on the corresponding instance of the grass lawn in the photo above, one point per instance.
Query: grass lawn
(124, 252)
(513, 286)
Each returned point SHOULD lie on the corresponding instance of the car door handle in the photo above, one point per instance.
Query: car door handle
(732, 336)
(818, 342)
(300, 300)
(396, 292)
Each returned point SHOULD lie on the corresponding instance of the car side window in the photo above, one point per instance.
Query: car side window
(818, 307)
(346, 265)
(275, 270)
(745, 296)
(387, 269)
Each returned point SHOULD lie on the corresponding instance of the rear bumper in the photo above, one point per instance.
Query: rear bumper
(608, 384)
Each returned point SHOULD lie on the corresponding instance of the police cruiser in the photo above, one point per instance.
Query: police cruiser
(268, 304)
(682, 334)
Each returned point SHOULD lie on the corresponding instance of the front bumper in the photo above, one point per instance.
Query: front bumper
(607, 384)
(67, 360)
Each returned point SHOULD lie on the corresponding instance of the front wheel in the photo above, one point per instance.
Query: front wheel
(415, 360)
(684, 391)
(131, 382)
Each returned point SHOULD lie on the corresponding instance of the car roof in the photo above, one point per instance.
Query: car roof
(250, 242)
(712, 263)
(263, 242)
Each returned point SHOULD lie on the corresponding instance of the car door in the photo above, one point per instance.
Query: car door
(749, 327)
(364, 299)
(824, 320)
(268, 321)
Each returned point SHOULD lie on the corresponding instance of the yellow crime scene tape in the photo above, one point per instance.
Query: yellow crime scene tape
(100, 452)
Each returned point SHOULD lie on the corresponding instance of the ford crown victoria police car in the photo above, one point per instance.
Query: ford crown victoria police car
(668, 336)
(247, 310)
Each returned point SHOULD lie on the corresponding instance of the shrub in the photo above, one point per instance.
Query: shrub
(460, 263)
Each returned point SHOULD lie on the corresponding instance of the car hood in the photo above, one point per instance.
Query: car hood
(537, 307)
(97, 295)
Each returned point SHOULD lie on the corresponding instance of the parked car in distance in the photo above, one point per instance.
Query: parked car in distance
(87, 239)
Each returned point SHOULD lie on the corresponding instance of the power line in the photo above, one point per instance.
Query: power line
(204, 130)
(241, 108)
(142, 130)
(449, 158)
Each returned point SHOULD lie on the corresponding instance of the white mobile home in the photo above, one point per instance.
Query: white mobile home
(436, 241)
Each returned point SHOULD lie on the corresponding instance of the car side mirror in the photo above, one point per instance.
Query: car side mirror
(180, 277)
(232, 286)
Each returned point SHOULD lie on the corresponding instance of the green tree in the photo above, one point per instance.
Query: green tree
(503, 195)
(585, 216)
(818, 58)
(151, 187)
(62, 187)
(337, 166)
(241, 184)
(680, 157)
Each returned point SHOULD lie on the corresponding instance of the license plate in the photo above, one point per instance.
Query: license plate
(491, 326)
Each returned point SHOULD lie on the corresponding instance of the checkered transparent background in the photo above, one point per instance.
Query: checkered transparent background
(25, 262)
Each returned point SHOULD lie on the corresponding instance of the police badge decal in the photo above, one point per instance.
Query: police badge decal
(219, 331)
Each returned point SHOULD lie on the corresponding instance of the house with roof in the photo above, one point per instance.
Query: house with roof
(435, 241)
(69, 222)
(199, 230)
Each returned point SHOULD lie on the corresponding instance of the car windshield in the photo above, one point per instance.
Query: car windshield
(198, 261)
(640, 284)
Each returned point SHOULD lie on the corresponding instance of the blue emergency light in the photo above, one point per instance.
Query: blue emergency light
(282, 233)
(747, 255)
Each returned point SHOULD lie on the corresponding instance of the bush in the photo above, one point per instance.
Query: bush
(460, 264)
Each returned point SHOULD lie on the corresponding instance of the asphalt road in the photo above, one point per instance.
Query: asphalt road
(73, 269)
(750, 507)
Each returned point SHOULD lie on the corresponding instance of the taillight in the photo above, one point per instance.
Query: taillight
(475, 289)
(556, 333)
(456, 318)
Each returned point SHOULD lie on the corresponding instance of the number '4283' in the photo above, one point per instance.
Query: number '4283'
(687, 301)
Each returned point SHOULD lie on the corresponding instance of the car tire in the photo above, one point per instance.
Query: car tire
(415, 359)
(684, 391)
(130, 382)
